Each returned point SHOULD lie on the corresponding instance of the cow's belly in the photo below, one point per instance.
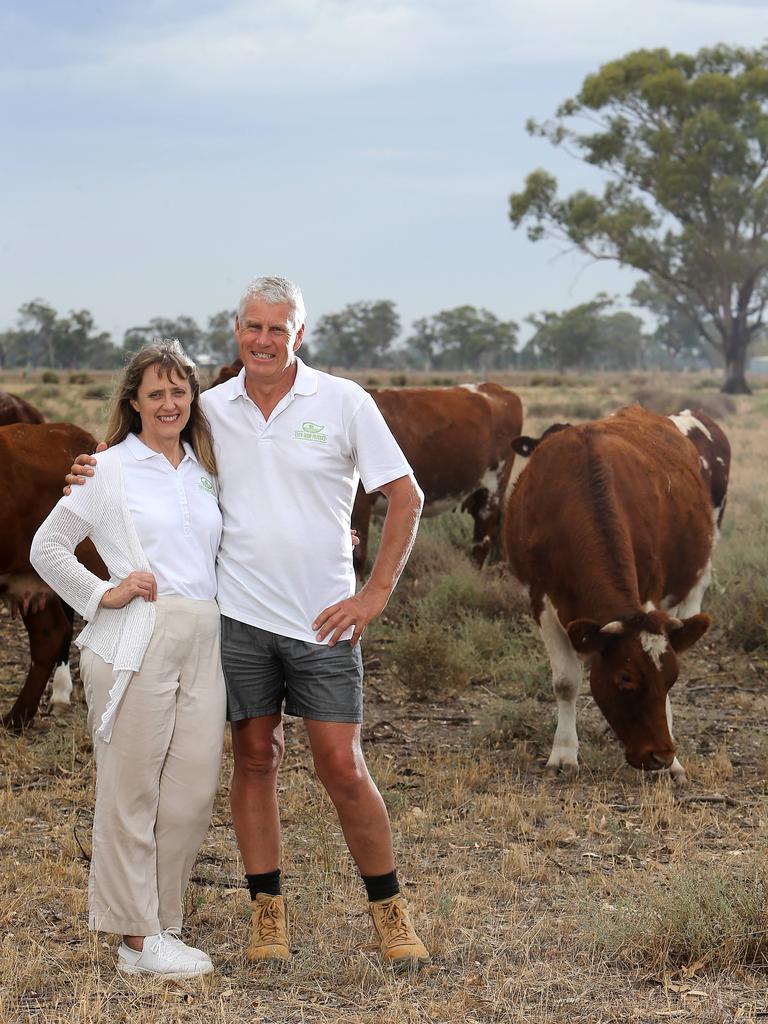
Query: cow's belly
(15, 588)
(435, 507)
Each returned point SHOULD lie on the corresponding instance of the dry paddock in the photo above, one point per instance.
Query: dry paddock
(607, 899)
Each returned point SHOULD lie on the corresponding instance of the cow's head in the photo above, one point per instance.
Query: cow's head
(633, 663)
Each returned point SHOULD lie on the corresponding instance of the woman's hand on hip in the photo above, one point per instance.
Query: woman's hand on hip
(138, 584)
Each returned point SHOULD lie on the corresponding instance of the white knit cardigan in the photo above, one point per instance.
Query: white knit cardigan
(98, 509)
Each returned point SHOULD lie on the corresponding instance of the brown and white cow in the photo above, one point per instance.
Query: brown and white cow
(33, 461)
(610, 529)
(456, 440)
(707, 437)
(17, 410)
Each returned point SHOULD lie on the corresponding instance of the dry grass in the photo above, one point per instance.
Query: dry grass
(611, 899)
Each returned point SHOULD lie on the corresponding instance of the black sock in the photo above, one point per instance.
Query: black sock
(381, 887)
(268, 883)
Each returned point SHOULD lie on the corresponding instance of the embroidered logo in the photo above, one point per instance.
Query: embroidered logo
(206, 484)
(310, 432)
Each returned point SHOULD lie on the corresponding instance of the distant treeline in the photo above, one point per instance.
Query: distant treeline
(592, 335)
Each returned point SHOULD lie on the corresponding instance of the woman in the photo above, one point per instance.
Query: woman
(150, 654)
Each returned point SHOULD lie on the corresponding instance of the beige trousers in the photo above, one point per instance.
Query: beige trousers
(156, 779)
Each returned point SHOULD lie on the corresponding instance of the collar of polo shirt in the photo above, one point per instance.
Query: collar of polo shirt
(140, 451)
(305, 383)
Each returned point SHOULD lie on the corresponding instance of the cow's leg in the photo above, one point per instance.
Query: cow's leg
(47, 629)
(676, 770)
(62, 678)
(566, 682)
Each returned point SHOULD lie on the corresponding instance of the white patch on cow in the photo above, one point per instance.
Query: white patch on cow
(676, 770)
(686, 422)
(704, 462)
(566, 682)
(691, 603)
(62, 685)
(649, 606)
(654, 645)
(490, 480)
(470, 387)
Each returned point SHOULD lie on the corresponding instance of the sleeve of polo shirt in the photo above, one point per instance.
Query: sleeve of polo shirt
(378, 456)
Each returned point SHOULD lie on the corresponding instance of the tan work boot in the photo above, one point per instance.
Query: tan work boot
(269, 928)
(399, 945)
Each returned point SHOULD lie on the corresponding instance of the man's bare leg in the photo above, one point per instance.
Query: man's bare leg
(257, 745)
(341, 768)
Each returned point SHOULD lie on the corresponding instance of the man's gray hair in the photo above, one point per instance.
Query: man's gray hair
(275, 290)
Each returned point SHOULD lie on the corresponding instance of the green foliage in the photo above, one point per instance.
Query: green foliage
(361, 335)
(43, 338)
(462, 338)
(715, 919)
(683, 141)
(586, 336)
(738, 596)
(449, 625)
(49, 377)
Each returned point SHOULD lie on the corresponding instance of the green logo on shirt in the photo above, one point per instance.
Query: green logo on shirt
(206, 484)
(310, 432)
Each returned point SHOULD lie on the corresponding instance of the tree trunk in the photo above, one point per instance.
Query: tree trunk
(735, 364)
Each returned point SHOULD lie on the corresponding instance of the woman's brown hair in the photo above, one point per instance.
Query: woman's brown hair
(169, 358)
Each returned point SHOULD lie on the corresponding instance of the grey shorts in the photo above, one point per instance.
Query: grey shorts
(262, 670)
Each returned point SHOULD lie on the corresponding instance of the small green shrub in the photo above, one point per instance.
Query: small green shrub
(398, 380)
(79, 378)
(443, 382)
(100, 392)
(49, 377)
(716, 919)
(737, 597)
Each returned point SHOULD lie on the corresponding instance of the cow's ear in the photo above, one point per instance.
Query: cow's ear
(688, 632)
(586, 637)
(524, 446)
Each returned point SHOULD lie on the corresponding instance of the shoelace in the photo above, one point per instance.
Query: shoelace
(162, 948)
(269, 921)
(396, 922)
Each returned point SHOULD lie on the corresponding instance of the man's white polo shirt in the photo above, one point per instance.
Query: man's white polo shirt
(286, 490)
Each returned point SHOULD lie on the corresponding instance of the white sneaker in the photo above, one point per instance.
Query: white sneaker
(162, 957)
(172, 935)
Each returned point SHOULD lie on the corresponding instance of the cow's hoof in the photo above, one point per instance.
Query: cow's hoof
(58, 709)
(566, 772)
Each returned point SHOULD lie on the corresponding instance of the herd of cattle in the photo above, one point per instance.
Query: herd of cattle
(608, 525)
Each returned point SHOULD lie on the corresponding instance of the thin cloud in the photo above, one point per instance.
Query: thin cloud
(289, 46)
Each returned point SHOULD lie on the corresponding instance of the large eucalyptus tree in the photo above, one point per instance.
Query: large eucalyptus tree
(683, 140)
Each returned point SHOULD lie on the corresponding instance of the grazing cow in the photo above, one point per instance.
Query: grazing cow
(610, 528)
(707, 437)
(33, 461)
(16, 410)
(456, 440)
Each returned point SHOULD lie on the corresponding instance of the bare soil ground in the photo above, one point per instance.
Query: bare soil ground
(541, 901)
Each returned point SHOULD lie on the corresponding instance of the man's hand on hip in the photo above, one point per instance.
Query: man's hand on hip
(81, 469)
(357, 611)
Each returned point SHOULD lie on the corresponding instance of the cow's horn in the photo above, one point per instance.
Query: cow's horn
(613, 627)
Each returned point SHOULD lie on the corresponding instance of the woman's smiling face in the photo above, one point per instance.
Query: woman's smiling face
(164, 404)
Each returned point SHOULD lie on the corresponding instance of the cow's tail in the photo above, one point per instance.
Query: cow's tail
(62, 677)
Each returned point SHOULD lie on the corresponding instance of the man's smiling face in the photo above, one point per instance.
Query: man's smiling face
(268, 340)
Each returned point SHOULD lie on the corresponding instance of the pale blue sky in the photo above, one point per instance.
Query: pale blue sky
(156, 155)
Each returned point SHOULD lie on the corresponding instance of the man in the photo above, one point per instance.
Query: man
(290, 442)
